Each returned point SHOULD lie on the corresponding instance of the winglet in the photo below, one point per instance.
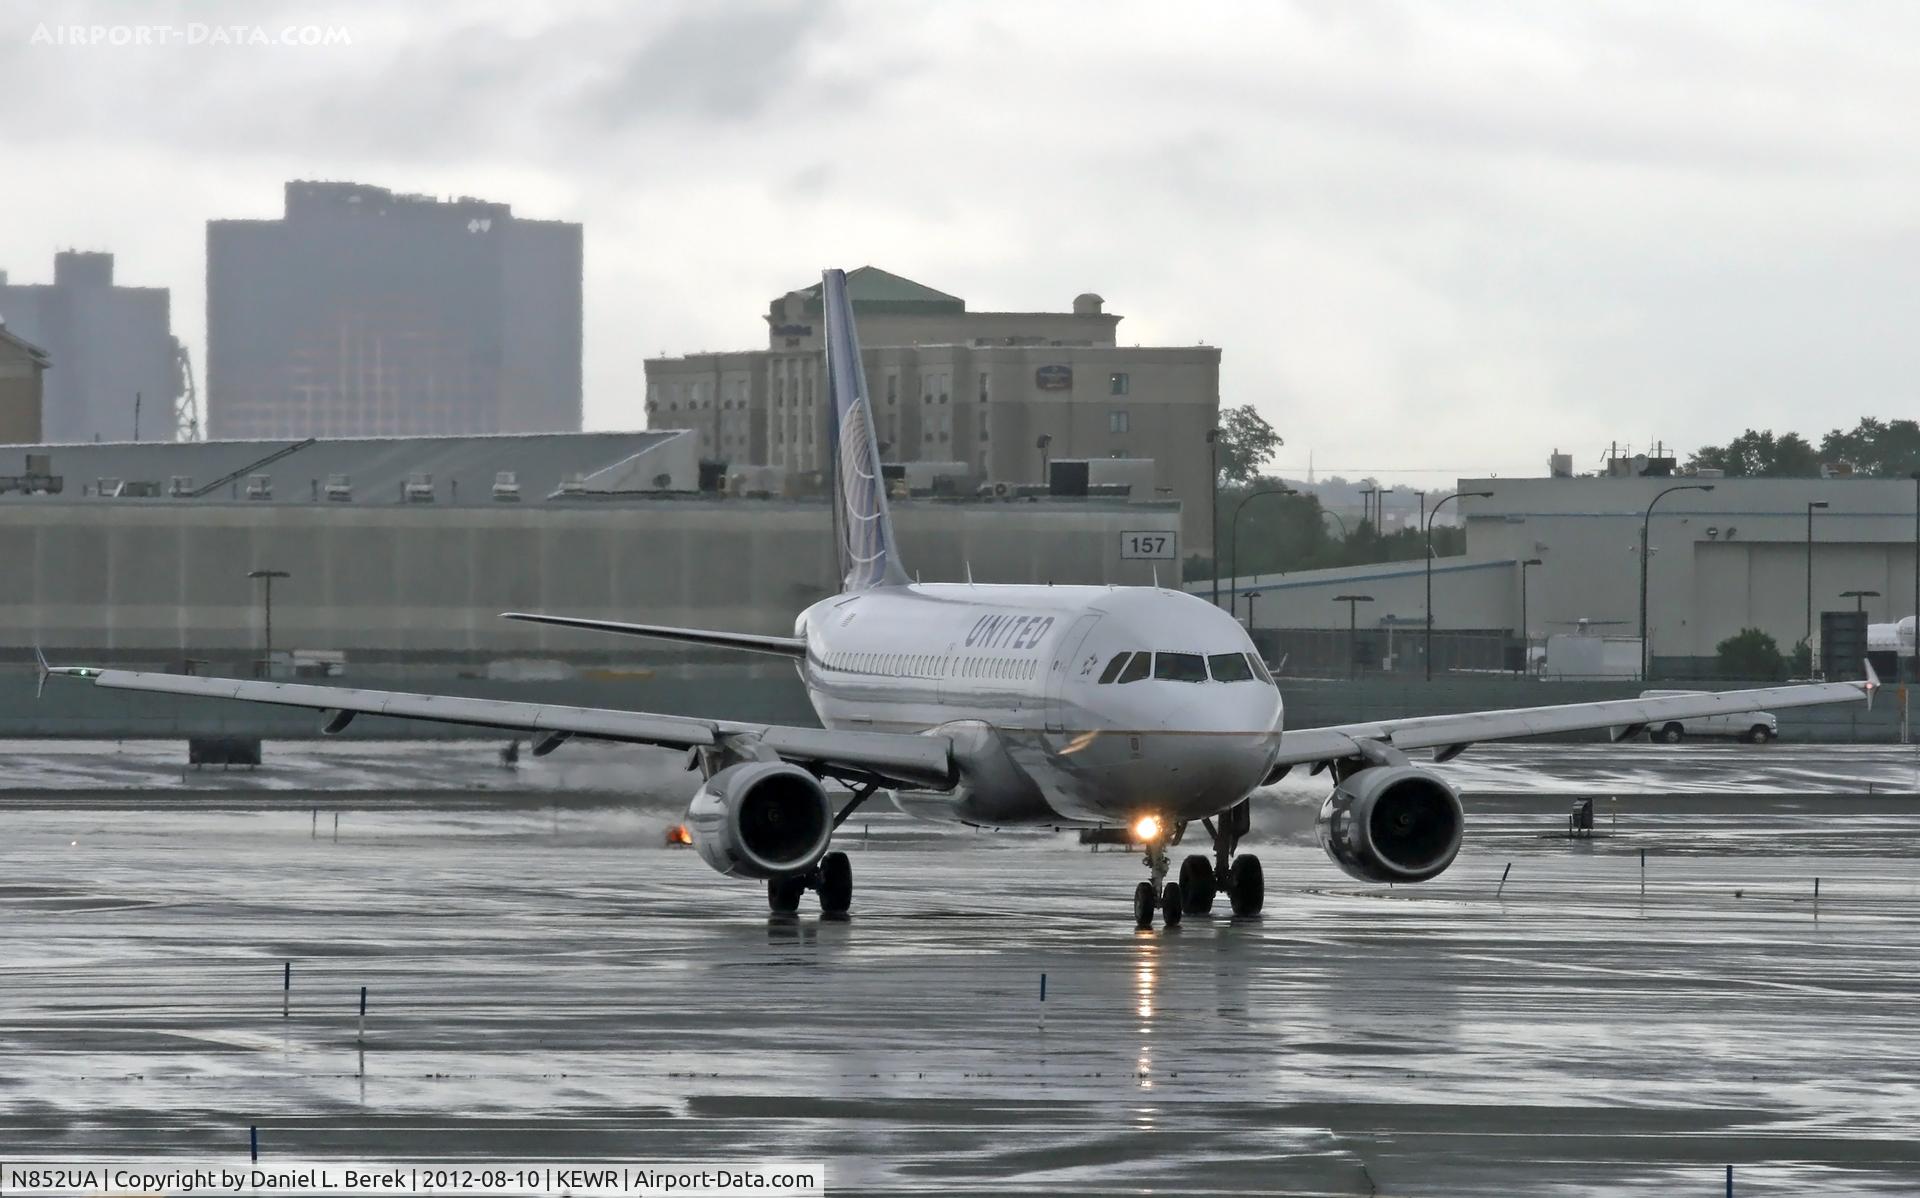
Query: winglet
(1872, 683)
(45, 670)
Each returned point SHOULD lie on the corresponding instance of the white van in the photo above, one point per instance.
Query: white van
(1754, 727)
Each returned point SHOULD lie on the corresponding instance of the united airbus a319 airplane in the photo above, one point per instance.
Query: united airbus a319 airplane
(1000, 706)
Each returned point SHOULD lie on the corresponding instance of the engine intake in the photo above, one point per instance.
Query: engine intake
(1392, 823)
(761, 819)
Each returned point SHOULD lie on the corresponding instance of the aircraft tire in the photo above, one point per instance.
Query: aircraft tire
(836, 884)
(1144, 901)
(1246, 885)
(783, 894)
(1172, 904)
(1197, 886)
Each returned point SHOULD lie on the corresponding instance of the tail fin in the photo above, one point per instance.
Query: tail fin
(868, 555)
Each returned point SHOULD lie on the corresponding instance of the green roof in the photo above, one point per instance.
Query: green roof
(874, 290)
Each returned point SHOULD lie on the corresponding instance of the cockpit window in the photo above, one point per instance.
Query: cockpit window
(1113, 668)
(1137, 668)
(1230, 667)
(1260, 669)
(1180, 667)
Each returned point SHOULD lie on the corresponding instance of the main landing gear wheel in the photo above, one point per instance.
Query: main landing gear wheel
(1671, 734)
(1197, 887)
(1144, 901)
(1759, 734)
(1246, 885)
(783, 894)
(835, 884)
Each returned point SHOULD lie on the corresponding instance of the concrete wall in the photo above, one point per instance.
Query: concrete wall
(126, 580)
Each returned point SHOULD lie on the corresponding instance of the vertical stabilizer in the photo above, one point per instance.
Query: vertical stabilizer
(868, 556)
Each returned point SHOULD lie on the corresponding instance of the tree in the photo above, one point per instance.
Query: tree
(1750, 653)
(1883, 448)
(1244, 444)
(1755, 454)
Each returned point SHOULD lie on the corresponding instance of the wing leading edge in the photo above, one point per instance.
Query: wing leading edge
(1448, 734)
(784, 646)
(895, 758)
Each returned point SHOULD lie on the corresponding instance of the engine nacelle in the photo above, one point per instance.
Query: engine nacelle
(1392, 823)
(761, 819)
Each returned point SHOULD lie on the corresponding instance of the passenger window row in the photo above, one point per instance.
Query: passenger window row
(1185, 667)
(922, 665)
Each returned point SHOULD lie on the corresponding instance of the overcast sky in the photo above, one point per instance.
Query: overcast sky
(1444, 237)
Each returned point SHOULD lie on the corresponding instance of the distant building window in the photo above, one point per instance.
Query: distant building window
(1117, 420)
(1118, 383)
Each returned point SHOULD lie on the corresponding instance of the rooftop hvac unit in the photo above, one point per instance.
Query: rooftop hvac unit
(259, 486)
(506, 487)
(180, 486)
(107, 488)
(418, 488)
(339, 488)
(574, 484)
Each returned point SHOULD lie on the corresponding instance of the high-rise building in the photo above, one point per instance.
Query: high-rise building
(362, 312)
(112, 346)
(994, 394)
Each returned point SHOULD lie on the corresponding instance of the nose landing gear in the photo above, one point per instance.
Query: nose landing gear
(1200, 880)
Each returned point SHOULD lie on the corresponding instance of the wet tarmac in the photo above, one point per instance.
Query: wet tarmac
(546, 980)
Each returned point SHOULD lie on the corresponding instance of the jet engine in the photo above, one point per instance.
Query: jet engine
(761, 819)
(1392, 823)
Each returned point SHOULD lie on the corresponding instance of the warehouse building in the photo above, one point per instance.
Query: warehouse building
(23, 367)
(391, 550)
(1767, 553)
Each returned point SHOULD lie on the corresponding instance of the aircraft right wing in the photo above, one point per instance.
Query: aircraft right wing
(1449, 735)
(892, 758)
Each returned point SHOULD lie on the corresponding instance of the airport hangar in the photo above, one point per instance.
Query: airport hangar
(1723, 560)
(405, 550)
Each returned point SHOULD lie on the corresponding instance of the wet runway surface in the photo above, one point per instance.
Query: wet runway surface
(546, 980)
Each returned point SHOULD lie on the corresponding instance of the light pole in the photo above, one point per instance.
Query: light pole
(1916, 576)
(1809, 638)
(1646, 528)
(1366, 503)
(1234, 539)
(1526, 638)
(1353, 603)
(1213, 506)
(268, 576)
(1251, 596)
(1043, 443)
(1859, 598)
(1427, 520)
(1344, 534)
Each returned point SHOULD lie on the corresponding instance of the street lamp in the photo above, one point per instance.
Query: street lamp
(1353, 603)
(1526, 638)
(1043, 443)
(1916, 576)
(1213, 506)
(1234, 540)
(1366, 502)
(1427, 520)
(1810, 506)
(1251, 596)
(1646, 527)
(1344, 534)
(267, 576)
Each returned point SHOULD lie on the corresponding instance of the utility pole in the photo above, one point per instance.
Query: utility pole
(1427, 519)
(267, 576)
(1353, 603)
(1213, 506)
(1646, 528)
(1526, 638)
(1817, 503)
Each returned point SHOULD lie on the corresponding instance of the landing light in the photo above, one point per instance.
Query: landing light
(1146, 829)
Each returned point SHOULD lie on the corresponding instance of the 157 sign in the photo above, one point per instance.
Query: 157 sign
(1159, 546)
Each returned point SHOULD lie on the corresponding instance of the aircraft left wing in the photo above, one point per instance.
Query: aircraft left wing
(893, 758)
(1449, 735)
